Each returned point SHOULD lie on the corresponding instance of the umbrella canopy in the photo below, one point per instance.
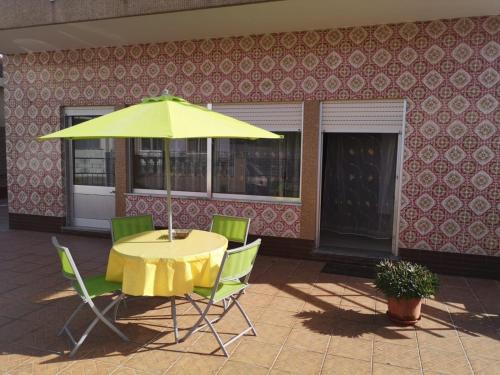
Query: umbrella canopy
(167, 117)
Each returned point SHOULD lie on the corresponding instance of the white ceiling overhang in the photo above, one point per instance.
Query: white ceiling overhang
(259, 18)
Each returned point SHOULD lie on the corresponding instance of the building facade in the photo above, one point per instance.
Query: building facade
(445, 71)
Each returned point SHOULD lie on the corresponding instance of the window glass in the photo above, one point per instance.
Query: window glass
(265, 167)
(188, 160)
(93, 159)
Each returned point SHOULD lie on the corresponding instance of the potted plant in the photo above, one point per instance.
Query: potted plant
(405, 284)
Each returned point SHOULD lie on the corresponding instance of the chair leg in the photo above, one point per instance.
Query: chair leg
(100, 316)
(247, 318)
(71, 317)
(203, 315)
(121, 298)
(174, 318)
(198, 322)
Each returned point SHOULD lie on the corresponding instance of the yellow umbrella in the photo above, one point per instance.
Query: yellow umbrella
(166, 117)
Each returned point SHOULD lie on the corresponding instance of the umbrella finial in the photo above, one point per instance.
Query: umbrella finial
(165, 92)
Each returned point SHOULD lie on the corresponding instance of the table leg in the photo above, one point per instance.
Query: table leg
(174, 318)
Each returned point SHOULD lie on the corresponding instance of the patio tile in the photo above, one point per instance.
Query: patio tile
(380, 369)
(287, 304)
(196, 364)
(482, 347)
(439, 361)
(14, 308)
(240, 368)
(152, 360)
(254, 352)
(270, 333)
(4, 320)
(305, 339)
(266, 289)
(257, 300)
(323, 302)
(122, 370)
(299, 361)
(278, 317)
(447, 344)
(299, 314)
(396, 355)
(17, 329)
(351, 348)
(362, 301)
(336, 365)
(13, 355)
(485, 366)
(89, 367)
(396, 335)
(43, 364)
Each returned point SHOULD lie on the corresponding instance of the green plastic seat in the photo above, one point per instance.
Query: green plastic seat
(97, 286)
(231, 282)
(224, 290)
(234, 228)
(129, 225)
(88, 288)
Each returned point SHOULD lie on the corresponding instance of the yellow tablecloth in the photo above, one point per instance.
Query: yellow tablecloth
(149, 265)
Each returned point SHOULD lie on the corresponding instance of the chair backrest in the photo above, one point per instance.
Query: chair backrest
(235, 229)
(238, 263)
(68, 266)
(129, 225)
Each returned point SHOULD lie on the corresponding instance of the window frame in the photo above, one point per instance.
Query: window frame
(209, 194)
(175, 193)
(269, 198)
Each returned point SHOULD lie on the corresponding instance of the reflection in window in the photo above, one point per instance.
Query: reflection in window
(93, 159)
(188, 160)
(266, 167)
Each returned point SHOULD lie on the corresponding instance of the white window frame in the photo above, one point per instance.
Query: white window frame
(209, 194)
(267, 198)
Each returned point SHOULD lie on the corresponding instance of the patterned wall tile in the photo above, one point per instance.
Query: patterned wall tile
(448, 70)
(267, 219)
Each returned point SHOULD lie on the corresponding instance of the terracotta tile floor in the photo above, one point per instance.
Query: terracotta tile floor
(308, 323)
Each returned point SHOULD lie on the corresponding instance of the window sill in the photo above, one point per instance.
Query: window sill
(219, 197)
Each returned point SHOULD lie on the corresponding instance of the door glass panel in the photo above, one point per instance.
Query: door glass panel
(93, 159)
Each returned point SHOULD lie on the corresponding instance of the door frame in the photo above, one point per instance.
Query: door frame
(71, 189)
(399, 170)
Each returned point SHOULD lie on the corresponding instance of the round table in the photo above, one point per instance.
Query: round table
(147, 264)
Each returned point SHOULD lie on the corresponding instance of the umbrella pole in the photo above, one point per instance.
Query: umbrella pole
(168, 185)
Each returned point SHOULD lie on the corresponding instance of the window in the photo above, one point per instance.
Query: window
(93, 159)
(188, 160)
(266, 167)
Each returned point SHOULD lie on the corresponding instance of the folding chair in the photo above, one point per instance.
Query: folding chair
(236, 265)
(129, 225)
(87, 288)
(234, 228)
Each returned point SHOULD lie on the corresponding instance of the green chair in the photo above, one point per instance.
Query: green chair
(129, 225)
(235, 229)
(87, 288)
(230, 283)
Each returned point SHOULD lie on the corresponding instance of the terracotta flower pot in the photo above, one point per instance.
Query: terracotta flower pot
(404, 311)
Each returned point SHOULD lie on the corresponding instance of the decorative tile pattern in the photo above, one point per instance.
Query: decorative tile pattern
(448, 71)
(267, 219)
